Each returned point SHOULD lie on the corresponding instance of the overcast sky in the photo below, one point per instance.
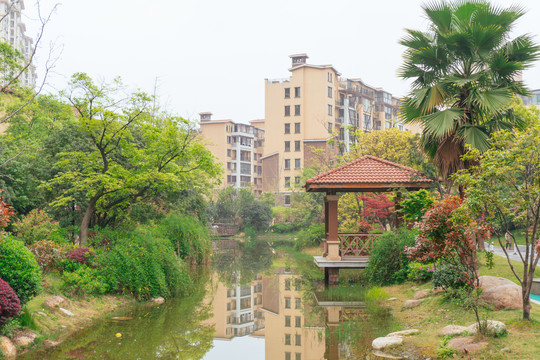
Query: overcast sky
(213, 55)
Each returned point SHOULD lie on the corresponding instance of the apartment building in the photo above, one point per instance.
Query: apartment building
(533, 99)
(12, 31)
(311, 107)
(239, 147)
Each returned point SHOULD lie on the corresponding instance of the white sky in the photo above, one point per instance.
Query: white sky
(213, 55)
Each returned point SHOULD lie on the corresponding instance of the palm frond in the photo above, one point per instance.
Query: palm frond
(475, 136)
(441, 123)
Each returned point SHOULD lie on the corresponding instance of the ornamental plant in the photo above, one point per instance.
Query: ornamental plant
(80, 255)
(35, 226)
(48, 254)
(10, 305)
(6, 213)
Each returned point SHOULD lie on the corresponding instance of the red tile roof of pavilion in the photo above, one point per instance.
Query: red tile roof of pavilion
(368, 173)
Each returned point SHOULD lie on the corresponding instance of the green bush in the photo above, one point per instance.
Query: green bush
(37, 225)
(312, 236)
(257, 214)
(19, 268)
(449, 276)
(283, 228)
(84, 281)
(388, 263)
(145, 266)
(189, 237)
(49, 254)
(420, 272)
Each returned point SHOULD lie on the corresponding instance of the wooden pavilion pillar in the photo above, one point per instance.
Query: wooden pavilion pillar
(399, 216)
(331, 226)
(332, 341)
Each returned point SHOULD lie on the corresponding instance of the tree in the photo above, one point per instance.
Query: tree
(464, 71)
(504, 186)
(135, 152)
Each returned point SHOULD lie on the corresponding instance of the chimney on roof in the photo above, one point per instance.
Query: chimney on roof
(205, 116)
(298, 59)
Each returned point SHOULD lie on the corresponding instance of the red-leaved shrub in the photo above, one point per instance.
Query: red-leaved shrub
(80, 255)
(10, 306)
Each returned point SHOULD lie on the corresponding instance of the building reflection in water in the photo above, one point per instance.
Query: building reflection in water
(272, 307)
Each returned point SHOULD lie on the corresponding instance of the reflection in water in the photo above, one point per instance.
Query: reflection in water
(242, 304)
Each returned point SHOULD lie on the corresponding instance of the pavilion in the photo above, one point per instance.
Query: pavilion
(365, 174)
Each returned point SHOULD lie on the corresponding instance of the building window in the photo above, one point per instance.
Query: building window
(298, 356)
(329, 127)
(297, 92)
(298, 340)
(287, 110)
(297, 303)
(297, 128)
(229, 165)
(229, 179)
(287, 300)
(297, 179)
(296, 110)
(228, 139)
(330, 110)
(297, 145)
(297, 163)
(229, 152)
(288, 202)
(287, 93)
(287, 164)
(287, 146)
(329, 77)
(288, 356)
(228, 306)
(297, 284)
(287, 321)
(288, 284)
(287, 339)
(287, 128)
(330, 92)
(287, 181)
(298, 321)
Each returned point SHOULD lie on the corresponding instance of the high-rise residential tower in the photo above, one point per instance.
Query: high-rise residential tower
(12, 31)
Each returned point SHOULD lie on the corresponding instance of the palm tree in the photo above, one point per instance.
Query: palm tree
(465, 71)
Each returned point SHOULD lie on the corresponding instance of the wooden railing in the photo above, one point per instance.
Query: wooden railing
(356, 244)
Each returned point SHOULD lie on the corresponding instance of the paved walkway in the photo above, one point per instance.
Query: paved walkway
(497, 250)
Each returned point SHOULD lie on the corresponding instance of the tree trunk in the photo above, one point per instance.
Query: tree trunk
(85, 223)
(526, 308)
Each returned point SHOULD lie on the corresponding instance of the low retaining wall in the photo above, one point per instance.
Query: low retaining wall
(535, 289)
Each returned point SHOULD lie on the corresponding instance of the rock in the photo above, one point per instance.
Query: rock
(7, 349)
(421, 294)
(392, 299)
(494, 327)
(67, 312)
(158, 300)
(384, 355)
(451, 330)
(121, 318)
(53, 302)
(409, 304)
(506, 350)
(24, 338)
(50, 343)
(404, 332)
(42, 313)
(501, 293)
(385, 342)
(466, 344)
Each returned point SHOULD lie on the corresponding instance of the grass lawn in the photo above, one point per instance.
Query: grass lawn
(502, 269)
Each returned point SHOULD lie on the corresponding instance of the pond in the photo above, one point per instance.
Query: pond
(246, 305)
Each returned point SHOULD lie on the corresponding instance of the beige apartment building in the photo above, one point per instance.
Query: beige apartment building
(307, 110)
(239, 147)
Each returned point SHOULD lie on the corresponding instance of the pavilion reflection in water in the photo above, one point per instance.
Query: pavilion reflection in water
(273, 308)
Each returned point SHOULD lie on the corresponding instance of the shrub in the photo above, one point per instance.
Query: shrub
(283, 228)
(388, 263)
(35, 226)
(449, 276)
(189, 237)
(19, 268)
(312, 236)
(10, 305)
(257, 214)
(49, 255)
(145, 266)
(84, 281)
(80, 255)
(420, 272)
